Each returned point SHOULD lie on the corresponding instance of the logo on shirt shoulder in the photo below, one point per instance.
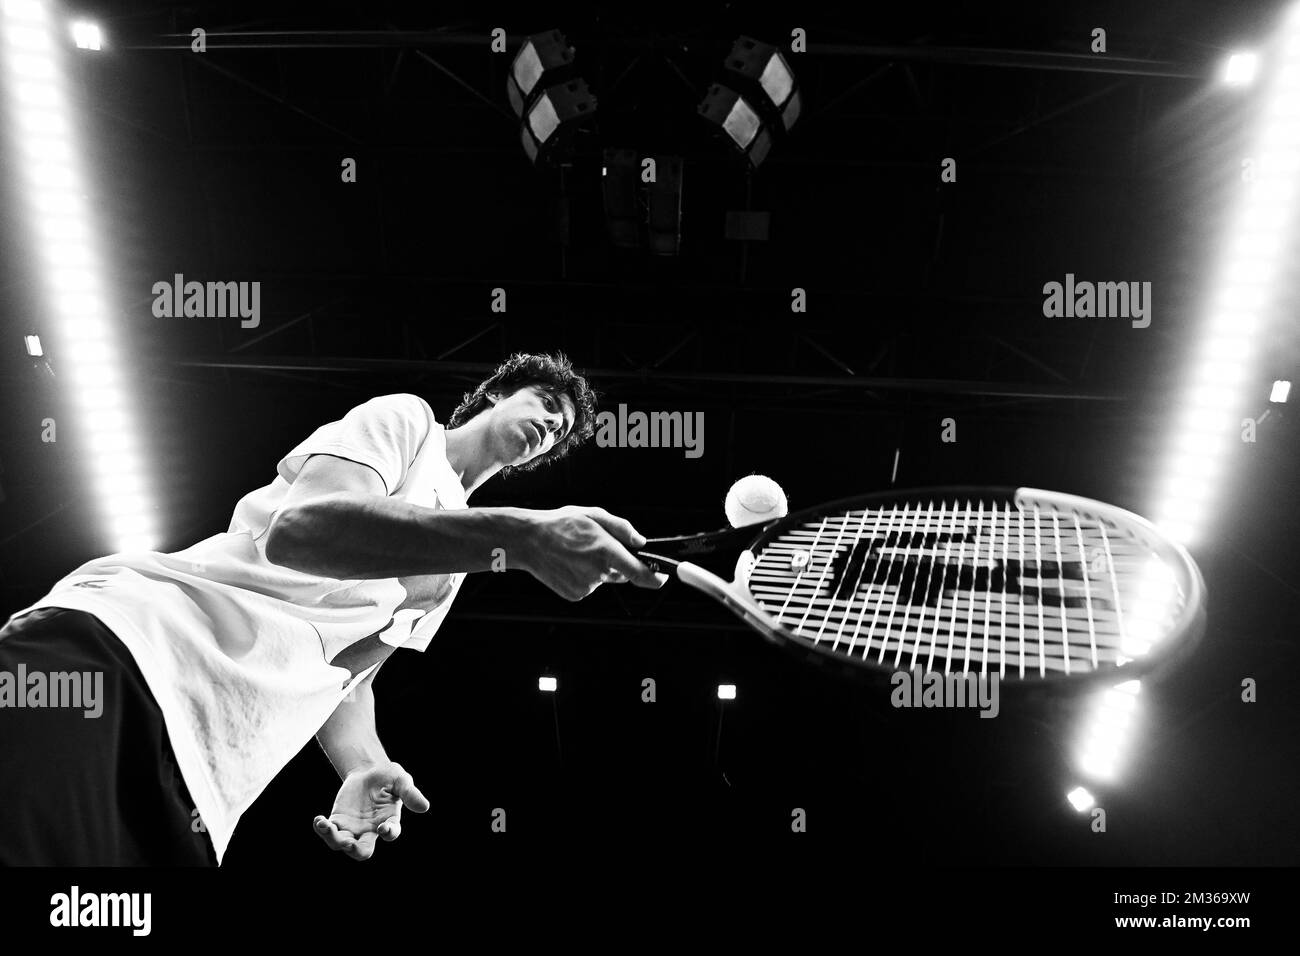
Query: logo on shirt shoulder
(95, 583)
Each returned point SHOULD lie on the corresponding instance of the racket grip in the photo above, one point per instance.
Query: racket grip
(658, 563)
(665, 554)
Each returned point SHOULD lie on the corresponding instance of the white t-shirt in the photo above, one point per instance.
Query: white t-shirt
(247, 659)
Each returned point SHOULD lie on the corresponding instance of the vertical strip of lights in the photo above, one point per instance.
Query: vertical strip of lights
(33, 44)
(1224, 370)
(1236, 328)
(1108, 731)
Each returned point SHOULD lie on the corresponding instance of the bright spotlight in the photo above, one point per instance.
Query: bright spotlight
(85, 35)
(115, 463)
(34, 345)
(542, 53)
(137, 542)
(1240, 69)
(550, 99)
(1080, 799)
(98, 398)
(726, 692)
(763, 74)
(52, 177)
(553, 120)
(1241, 315)
(92, 353)
(98, 376)
(127, 485)
(1100, 761)
(108, 420)
(144, 539)
(1108, 731)
(124, 524)
(112, 443)
(547, 684)
(29, 38)
(1281, 390)
(726, 108)
(32, 10)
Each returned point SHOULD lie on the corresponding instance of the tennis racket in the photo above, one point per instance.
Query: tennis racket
(1035, 586)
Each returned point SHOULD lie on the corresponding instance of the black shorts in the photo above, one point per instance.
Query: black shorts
(78, 790)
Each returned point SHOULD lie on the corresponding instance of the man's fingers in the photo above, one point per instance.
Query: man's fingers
(660, 579)
(390, 830)
(620, 528)
(334, 838)
(634, 570)
(404, 789)
(363, 848)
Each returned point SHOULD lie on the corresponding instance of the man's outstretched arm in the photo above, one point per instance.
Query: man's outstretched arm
(337, 521)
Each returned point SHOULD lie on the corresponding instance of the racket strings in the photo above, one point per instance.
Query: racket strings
(961, 587)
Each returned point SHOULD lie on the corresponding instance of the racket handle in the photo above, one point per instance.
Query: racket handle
(664, 554)
(658, 563)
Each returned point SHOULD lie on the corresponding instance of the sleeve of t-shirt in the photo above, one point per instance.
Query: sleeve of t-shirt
(424, 629)
(384, 433)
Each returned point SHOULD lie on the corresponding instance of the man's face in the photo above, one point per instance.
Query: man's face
(529, 423)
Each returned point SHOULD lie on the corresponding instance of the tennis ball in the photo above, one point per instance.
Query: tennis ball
(753, 499)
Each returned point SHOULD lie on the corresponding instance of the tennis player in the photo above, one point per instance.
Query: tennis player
(221, 661)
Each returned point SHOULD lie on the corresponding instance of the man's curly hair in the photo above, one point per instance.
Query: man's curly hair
(553, 372)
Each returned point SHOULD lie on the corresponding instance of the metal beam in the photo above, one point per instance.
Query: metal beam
(256, 88)
(311, 40)
(1016, 59)
(484, 369)
(912, 53)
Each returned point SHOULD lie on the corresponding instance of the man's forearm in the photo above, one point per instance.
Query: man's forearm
(349, 737)
(350, 536)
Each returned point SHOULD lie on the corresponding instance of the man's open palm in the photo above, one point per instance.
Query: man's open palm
(368, 806)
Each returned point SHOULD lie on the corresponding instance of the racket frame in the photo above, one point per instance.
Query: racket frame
(668, 554)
